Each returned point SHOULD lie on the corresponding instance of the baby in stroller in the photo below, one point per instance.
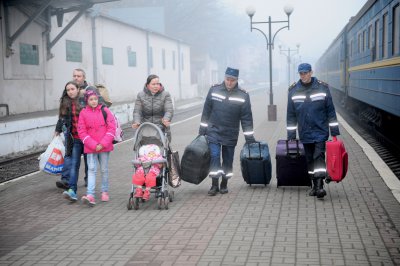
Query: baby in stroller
(146, 171)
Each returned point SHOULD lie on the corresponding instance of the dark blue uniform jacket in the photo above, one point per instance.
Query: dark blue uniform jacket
(311, 111)
(222, 114)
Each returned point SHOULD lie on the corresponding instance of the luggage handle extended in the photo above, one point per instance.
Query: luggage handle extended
(259, 153)
(293, 154)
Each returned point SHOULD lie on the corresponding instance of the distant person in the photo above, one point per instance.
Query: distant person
(154, 104)
(225, 108)
(96, 130)
(311, 111)
(69, 108)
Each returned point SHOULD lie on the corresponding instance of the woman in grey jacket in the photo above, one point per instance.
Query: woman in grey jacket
(154, 105)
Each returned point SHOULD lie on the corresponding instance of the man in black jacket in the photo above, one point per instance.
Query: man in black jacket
(225, 108)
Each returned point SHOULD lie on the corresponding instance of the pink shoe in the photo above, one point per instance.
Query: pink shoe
(105, 197)
(89, 200)
(138, 192)
(146, 195)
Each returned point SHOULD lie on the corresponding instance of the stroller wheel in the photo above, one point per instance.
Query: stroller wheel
(136, 203)
(166, 201)
(129, 205)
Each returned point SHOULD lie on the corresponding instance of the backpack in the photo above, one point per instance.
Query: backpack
(118, 130)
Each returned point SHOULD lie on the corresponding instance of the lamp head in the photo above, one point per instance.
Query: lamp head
(288, 10)
(250, 10)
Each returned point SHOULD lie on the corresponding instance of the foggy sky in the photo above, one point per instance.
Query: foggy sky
(314, 24)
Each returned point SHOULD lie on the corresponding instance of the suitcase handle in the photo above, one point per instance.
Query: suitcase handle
(290, 154)
(259, 149)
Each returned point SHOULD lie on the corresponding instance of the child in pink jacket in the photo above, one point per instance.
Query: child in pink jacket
(147, 153)
(97, 131)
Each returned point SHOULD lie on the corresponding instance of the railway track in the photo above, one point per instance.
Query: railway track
(386, 148)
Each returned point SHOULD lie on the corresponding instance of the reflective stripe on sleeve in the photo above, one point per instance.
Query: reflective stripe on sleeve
(203, 124)
(333, 124)
(292, 128)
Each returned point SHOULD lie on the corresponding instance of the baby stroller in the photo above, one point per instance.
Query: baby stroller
(149, 133)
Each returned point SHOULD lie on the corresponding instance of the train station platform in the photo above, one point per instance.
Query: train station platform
(357, 223)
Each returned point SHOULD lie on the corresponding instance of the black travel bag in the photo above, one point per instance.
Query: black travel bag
(195, 163)
(255, 163)
(291, 164)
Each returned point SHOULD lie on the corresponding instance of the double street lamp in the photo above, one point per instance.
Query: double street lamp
(270, 45)
(290, 53)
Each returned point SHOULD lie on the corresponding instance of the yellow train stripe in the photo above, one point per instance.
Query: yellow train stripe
(378, 64)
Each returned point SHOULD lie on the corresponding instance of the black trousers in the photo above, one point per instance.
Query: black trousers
(315, 156)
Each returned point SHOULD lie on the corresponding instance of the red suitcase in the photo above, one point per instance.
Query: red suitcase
(336, 160)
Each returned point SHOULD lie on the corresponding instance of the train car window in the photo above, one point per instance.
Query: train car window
(364, 40)
(359, 43)
(396, 30)
(370, 37)
(385, 34)
(376, 39)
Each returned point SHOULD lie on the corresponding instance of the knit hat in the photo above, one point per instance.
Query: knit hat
(232, 73)
(90, 90)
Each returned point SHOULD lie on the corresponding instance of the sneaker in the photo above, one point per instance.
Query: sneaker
(146, 195)
(138, 192)
(89, 200)
(70, 195)
(104, 196)
(63, 184)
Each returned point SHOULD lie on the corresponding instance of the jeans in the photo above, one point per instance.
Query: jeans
(77, 151)
(86, 165)
(66, 171)
(315, 157)
(216, 168)
(92, 158)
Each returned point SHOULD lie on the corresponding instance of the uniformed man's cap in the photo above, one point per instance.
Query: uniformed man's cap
(304, 68)
(232, 73)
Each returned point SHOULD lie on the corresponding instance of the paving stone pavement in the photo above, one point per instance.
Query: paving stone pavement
(357, 223)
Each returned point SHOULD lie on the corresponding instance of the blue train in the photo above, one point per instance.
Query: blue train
(362, 65)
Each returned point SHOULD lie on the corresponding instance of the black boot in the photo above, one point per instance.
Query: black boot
(224, 186)
(214, 187)
(320, 188)
(313, 191)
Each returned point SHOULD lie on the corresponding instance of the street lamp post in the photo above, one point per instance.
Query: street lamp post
(270, 45)
(288, 55)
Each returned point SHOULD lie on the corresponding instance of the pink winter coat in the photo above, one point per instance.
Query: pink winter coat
(93, 130)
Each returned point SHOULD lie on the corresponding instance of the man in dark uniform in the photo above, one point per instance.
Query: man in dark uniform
(225, 108)
(310, 110)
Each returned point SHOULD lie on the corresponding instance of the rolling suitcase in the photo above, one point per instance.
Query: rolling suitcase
(255, 163)
(336, 160)
(291, 164)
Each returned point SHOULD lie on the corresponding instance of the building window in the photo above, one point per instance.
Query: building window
(396, 30)
(163, 58)
(107, 56)
(173, 60)
(28, 54)
(132, 59)
(385, 34)
(151, 56)
(376, 39)
(73, 51)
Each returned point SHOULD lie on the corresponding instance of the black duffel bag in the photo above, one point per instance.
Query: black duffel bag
(195, 161)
